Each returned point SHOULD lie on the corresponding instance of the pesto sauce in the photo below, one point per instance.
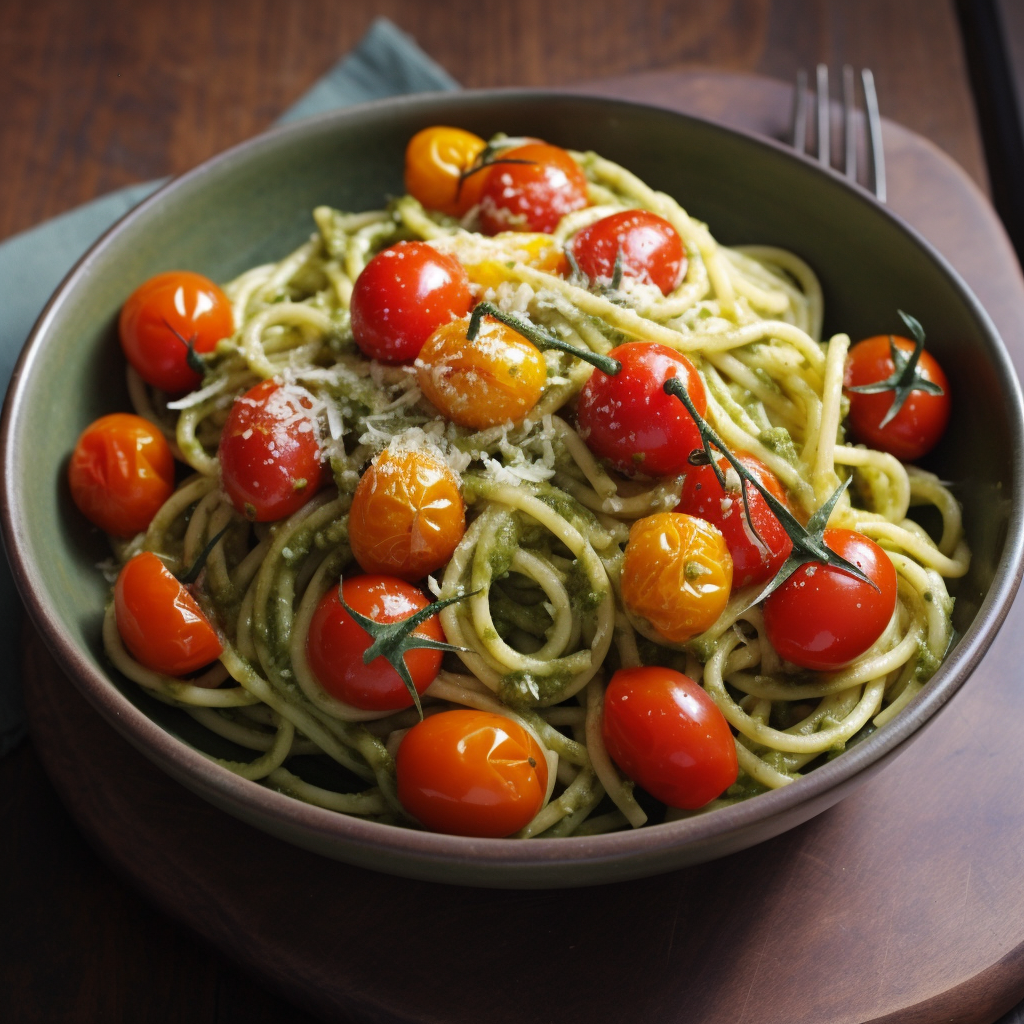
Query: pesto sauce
(518, 689)
(778, 440)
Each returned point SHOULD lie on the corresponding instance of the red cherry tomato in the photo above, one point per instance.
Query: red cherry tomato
(336, 644)
(270, 458)
(159, 621)
(652, 251)
(402, 296)
(823, 618)
(534, 195)
(703, 497)
(121, 472)
(922, 418)
(630, 421)
(668, 736)
(471, 773)
(166, 314)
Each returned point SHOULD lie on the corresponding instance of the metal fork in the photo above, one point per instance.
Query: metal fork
(823, 121)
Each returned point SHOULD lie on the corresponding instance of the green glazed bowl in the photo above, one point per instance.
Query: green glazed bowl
(253, 204)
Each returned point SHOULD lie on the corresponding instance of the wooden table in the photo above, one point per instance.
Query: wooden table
(97, 96)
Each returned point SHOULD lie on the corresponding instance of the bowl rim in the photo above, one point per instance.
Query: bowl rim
(490, 856)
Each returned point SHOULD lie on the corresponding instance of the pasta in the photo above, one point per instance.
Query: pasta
(541, 620)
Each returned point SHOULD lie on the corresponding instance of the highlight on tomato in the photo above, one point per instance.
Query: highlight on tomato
(121, 472)
(823, 618)
(159, 621)
(407, 514)
(336, 643)
(922, 417)
(531, 188)
(493, 379)
(755, 558)
(402, 296)
(668, 736)
(436, 159)
(270, 459)
(167, 316)
(471, 773)
(676, 575)
(646, 247)
(628, 418)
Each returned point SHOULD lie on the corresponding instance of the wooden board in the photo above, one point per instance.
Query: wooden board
(902, 903)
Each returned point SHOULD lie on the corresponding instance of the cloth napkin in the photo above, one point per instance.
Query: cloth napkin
(386, 62)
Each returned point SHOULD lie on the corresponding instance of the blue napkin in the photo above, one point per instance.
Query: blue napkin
(386, 62)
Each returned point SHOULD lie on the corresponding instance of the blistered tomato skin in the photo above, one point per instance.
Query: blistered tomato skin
(822, 618)
(471, 773)
(676, 575)
(922, 418)
(162, 316)
(668, 736)
(159, 621)
(652, 251)
(493, 379)
(630, 421)
(402, 296)
(534, 195)
(407, 515)
(703, 497)
(270, 457)
(435, 160)
(336, 643)
(121, 472)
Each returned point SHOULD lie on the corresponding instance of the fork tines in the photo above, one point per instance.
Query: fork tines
(823, 120)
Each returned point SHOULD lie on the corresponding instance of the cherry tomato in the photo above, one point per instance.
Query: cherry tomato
(496, 377)
(669, 736)
(823, 618)
(435, 160)
(336, 644)
(270, 458)
(533, 249)
(630, 421)
(676, 574)
(922, 418)
(159, 621)
(752, 562)
(471, 773)
(166, 314)
(534, 195)
(402, 296)
(652, 251)
(407, 514)
(121, 472)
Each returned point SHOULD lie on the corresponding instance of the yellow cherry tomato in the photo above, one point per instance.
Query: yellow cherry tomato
(435, 159)
(535, 250)
(496, 377)
(407, 515)
(676, 575)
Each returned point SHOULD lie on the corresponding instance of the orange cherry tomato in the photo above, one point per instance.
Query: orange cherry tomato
(668, 736)
(495, 378)
(165, 315)
(435, 161)
(336, 643)
(822, 617)
(703, 497)
(652, 251)
(922, 418)
(407, 515)
(533, 195)
(471, 773)
(676, 574)
(159, 621)
(121, 472)
(270, 458)
(402, 296)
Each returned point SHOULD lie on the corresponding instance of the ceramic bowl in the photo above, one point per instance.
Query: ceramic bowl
(252, 204)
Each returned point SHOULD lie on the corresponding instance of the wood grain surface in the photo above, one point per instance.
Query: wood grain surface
(96, 96)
